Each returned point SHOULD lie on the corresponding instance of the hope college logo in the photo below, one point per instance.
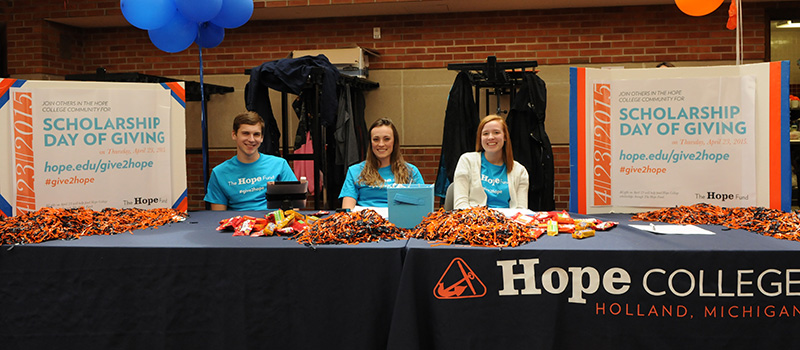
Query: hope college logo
(459, 282)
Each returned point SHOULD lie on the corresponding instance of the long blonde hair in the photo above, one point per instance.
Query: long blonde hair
(508, 153)
(369, 175)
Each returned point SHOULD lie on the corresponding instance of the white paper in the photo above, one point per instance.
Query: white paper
(666, 229)
(510, 212)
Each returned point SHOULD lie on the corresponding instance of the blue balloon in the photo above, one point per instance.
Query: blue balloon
(234, 13)
(199, 10)
(177, 35)
(148, 14)
(209, 35)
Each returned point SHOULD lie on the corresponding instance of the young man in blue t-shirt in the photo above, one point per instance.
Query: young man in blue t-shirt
(240, 183)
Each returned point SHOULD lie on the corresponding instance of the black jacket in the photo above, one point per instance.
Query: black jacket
(530, 142)
(289, 75)
(460, 129)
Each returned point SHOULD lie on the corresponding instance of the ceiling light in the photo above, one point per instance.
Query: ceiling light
(788, 24)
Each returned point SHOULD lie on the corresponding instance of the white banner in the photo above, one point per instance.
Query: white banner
(95, 148)
(676, 141)
(649, 138)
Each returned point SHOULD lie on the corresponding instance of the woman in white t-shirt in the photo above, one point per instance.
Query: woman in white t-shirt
(490, 176)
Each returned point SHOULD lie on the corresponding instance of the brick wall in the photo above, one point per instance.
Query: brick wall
(426, 159)
(552, 37)
(296, 3)
(565, 36)
(194, 174)
(562, 185)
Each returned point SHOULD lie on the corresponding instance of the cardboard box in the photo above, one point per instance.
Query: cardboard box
(351, 61)
(408, 204)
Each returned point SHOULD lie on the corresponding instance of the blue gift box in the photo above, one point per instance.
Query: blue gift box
(408, 204)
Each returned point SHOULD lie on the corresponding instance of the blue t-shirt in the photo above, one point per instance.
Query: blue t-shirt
(494, 179)
(373, 196)
(243, 186)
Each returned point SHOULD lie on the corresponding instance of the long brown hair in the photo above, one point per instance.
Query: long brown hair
(369, 175)
(508, 153)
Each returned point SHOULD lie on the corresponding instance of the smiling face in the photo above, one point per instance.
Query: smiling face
(247, 138)
(382, 143)
(492, 137)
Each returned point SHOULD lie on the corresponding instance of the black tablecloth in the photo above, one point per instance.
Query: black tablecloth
(565, 302)
(188, 286)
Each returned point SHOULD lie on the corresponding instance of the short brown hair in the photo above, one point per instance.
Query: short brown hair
(247, 118)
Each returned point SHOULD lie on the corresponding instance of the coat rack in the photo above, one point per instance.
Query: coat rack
(497, 77)
(314, 83)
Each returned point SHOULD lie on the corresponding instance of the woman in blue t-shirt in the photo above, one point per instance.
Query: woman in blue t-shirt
(490, 176)
(366, 182)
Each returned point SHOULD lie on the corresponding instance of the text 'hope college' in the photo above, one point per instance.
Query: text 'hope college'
(657, 282)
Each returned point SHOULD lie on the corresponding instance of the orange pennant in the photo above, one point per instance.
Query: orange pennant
(732, 16)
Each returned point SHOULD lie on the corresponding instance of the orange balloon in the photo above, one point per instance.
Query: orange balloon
(698, 7)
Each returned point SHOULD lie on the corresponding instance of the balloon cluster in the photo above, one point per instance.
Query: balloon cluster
(173, 25)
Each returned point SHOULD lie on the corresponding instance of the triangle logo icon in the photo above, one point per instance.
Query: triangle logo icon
(459, 282)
